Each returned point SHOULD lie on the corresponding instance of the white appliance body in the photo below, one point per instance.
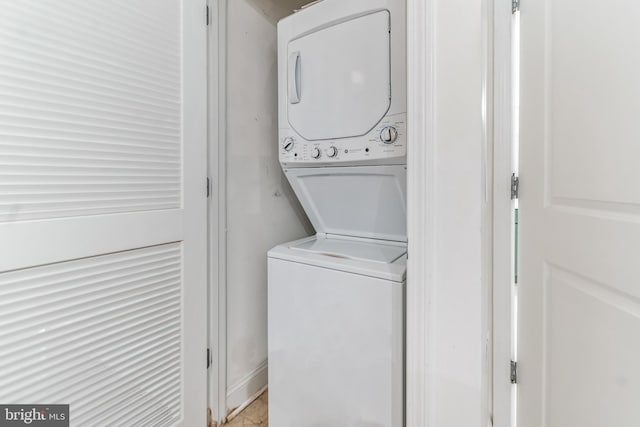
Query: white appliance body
(342, 84)
(336, 300)
(335, 336)
(342, 115)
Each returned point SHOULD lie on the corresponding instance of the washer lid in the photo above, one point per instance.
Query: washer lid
(359, 201)
(349, 255)
(353, 249)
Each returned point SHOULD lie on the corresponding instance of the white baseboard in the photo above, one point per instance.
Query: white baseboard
(245, 391)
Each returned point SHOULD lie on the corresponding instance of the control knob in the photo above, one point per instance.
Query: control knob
(388, 134)
(287, 144)
(315, 153)
(332, 151)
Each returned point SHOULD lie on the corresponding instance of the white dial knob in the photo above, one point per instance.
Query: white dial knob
(388, 135)
(287, 144)
(315, 153)
(332, 151)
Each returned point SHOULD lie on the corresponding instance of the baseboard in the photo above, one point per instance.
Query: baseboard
(245, 391)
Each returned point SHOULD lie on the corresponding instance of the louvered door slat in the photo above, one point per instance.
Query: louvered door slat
(85, 330)
(89, 101)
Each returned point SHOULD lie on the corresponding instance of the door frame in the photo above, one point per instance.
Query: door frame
(497, 220)
(420, 212)
(504, 165)
(420, 201)
(217, 208)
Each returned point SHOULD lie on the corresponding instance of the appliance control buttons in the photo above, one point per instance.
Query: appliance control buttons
(315, 153)
(287, 144)
(388, 135)
(332, 151)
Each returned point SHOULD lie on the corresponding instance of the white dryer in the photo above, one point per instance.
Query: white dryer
(342, 84)
(336, 300)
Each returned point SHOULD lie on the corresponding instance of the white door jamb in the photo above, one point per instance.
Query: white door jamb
(503, 211)
(217, 210)
(420, 202)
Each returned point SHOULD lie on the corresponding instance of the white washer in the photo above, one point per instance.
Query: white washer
(336, 300)
(336, 303)
(336, 333)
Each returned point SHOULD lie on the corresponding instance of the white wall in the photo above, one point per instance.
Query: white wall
(274, 10)
(262, 210)
(459, 296)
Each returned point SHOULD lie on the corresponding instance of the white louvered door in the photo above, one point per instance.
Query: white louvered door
(103, 209)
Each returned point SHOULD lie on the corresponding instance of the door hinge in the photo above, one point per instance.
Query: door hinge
(209, 358)
(515, 186)
(515, 6)
(514, 372)
(208, 187)
(208, 18)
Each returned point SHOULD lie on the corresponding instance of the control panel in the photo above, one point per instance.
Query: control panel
(384, 143)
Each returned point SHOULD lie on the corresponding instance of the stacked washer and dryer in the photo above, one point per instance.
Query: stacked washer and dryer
(336, 300)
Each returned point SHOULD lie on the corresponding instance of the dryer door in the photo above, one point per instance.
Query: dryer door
(338, 78)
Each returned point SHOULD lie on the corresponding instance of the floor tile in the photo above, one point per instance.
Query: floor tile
(254, 415)
(257, 412)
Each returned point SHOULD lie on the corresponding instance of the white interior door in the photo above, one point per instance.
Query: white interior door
(579, 282)
(102, 209)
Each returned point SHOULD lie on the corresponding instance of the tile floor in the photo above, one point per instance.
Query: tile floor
(254, 415)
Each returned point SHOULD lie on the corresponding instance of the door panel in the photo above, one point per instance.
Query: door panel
(591, 364)
(579, 216)
(115, 319)
(88, 127)
(339, 78)
(103, 209)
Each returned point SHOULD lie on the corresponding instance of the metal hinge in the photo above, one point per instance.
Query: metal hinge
(208, 15)
(208, 187)
(515, 6)
(514, 372)
(515, 186)
(209, 358)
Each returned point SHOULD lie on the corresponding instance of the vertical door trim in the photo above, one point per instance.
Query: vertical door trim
(420, 208)
(194, 149)
(502, 215)
(217, 210)
(486, 211)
